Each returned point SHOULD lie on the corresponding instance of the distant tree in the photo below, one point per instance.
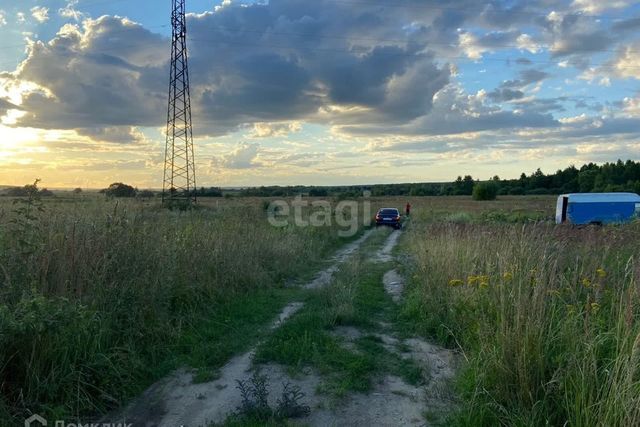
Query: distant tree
(318, 192)
(587, 179)
(118, 189)
(145, 194)
(485, 191)
(209, 192)
(29, 190)
(463, 186)
(77, 190)
(18, 191)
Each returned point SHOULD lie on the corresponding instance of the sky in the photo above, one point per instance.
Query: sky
(323, 92)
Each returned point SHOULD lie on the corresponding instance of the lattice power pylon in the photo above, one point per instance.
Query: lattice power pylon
(179, 167)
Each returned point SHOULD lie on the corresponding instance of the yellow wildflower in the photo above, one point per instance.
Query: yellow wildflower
(595, 307)
(586, 282)
(507, 276)
(472, 280)
(554, 292)
(456, 282)
(600, 272)
(484, 284)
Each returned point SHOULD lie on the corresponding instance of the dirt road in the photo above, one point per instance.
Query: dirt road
(177, 401)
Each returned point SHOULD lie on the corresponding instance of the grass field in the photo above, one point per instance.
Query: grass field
(99, 298)
(547, 316)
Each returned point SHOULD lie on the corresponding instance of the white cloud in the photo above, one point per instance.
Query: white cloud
(70, 11)
(40, 13)
(597, 6)
(225, 3)
(526, 42)
(244, 156)
(268, 130)
(631, 106)
(21, 18)
(3, 18)
(627, 61)
(469, 45)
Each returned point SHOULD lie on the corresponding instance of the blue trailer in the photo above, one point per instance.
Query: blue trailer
(597, 208)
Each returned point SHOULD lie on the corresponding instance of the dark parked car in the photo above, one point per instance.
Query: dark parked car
(389, 216)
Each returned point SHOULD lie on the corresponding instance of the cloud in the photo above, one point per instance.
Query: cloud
(116, 134)
(5, 106)
(105, 74)
(514, 89)
(245, 69)
(631, 24)
(631, 106)
(526, 42)
(626, 62)
(70, 11)
(269, 130)
(40, 14)
(3, 18)
(455, 112)
(266, 68)
(505, 94)
(598, 6)
(244, 156)
(475, 46)
(574, 34)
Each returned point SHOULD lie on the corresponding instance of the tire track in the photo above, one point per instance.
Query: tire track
(177, 401)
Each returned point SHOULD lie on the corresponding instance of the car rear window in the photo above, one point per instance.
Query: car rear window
(388, 211)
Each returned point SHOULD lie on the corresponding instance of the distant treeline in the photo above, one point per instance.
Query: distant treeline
(609, 177)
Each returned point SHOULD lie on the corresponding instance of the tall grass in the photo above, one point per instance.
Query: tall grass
(547, 318)
(95, 295)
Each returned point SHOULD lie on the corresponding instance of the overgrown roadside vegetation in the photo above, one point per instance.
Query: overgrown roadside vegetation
(99, 298)
(548, 317)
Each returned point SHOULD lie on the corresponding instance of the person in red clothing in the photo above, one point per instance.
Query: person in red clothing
(407, 209)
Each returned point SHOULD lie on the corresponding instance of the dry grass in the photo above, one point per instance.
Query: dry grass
(547, 316)
(97, 296)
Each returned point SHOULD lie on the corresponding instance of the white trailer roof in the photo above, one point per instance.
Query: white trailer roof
(602, 197)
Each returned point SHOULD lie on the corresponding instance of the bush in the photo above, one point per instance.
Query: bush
(485, 191)
(118, 189)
